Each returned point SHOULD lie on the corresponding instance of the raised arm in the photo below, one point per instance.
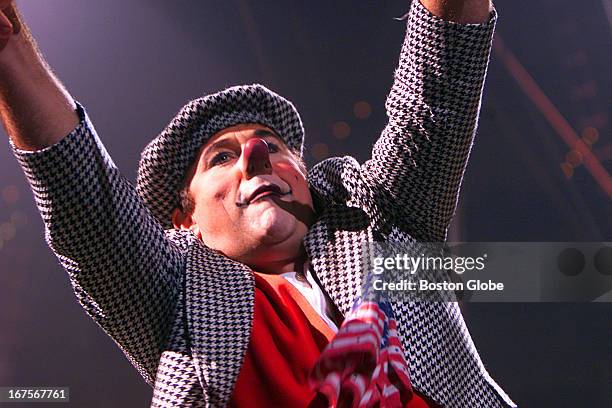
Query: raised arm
(419, 161)
(460, 11)
(36, 109)
(412, 180)
(123, 269)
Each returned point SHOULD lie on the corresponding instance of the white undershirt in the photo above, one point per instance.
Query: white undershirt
(314, 295)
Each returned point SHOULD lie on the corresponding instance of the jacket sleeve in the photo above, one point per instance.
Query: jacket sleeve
(123, 269)
(413, 177)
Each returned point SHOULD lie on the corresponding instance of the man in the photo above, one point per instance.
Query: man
(202, 309)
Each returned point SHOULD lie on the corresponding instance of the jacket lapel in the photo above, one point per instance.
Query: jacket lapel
(335, 245)
(436, 341)
(219, 299)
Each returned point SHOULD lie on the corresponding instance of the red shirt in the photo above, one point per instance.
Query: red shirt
(287, 338)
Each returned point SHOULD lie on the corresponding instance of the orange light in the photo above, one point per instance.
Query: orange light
(362, 110)
(567, 169)
(319, 151)
(10, 194)
(341, 130)
(574, 158)
(590, 135)
(19, 218)
(7, 231)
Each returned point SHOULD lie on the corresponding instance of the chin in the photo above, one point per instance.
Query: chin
(274, 226)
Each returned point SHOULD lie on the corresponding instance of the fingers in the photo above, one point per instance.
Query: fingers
(7, 8)
(11, 14)
(6, 30)
(9, 22)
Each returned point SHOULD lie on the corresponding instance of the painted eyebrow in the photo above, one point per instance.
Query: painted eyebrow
(218, 145)
(228, 143)
(264, 133)
(225, 142)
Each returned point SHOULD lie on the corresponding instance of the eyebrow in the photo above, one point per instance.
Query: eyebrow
(265, 132)
(217, 145)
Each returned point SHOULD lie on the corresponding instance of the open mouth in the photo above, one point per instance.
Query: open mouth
(261, 192)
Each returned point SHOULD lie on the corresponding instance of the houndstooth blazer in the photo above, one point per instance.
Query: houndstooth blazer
(182, 313)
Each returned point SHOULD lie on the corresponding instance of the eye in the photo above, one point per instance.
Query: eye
(220, 158)
(272, 147)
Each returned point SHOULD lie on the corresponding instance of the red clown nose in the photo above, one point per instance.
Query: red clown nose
(257, 157)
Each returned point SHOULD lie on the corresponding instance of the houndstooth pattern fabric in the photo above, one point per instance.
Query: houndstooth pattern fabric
(182, 313)
(101, 237)
(165, 160)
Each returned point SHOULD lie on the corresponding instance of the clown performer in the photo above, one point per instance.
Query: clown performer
(230, 274)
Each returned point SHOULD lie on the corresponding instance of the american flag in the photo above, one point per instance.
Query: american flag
(364, 365)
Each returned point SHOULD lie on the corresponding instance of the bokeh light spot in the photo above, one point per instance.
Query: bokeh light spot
(7, 231)
(362, 110)
(567, 169)
(571, 261)
(319, 151)
(10, 194)
(341, 130)
(590, 135)
(19, 218)
(603, 260)
(574, 158)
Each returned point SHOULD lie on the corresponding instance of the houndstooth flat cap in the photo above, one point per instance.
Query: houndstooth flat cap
(166, 159)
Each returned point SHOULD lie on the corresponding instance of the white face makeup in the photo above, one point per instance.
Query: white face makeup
(252, 201)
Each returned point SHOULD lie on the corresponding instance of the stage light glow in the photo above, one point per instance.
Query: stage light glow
(10, 194)
(7, 231)
(341, 130)
(590, 135)
(574, 158)
(585, 91)
(19, 218)
(567, 169)
(319, 151)
(362, 110)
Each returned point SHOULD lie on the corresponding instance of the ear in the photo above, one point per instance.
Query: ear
(184, 221)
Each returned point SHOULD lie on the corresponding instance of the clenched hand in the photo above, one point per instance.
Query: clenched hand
(9, 22)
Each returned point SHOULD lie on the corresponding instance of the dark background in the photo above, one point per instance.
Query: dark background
(133, 64)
